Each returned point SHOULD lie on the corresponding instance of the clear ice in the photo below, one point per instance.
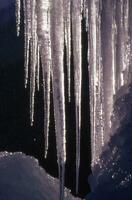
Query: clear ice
(50, 27)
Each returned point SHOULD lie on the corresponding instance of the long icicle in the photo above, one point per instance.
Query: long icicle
(43, 32)
(27, 37)
(18, 16)
(38, 67)
(67, 23)
(77, 54)
(33, 59)
(92, 73)
(57, 46)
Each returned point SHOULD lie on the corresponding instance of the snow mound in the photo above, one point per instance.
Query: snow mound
(21, 178)
(112, 178)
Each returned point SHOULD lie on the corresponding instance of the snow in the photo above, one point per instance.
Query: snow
(45, 36)
(112, 177)
(21, 177)
(109, 64)
(50, 26)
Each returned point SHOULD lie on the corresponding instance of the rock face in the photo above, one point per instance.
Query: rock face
(21, 178)
(113, 176)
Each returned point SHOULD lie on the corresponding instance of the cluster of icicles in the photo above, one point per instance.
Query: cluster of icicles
(50, 26)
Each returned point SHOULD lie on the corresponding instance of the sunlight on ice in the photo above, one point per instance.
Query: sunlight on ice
(44, 43)
(77, 54)
(50, 27)
(18, 16)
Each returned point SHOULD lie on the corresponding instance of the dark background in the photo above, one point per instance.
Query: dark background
(16, 134)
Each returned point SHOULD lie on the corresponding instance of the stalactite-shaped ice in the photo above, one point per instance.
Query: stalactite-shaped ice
(33, 59)
(18, 16)
(47, 29)
(27, 36)
(43, 33)
(77, 55)
(96, 79)
(38, 67)
(92, 65)
(113, 46)
(122, 42)
(130, 42)
(67, 28)
(109, 64)
(85, 13)
(57, 52)
(127, 41)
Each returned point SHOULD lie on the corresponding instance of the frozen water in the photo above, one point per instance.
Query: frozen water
(77, 55)
(22, 178)
(50, 27)
(112, 177)
(47, 33)
(109, 64)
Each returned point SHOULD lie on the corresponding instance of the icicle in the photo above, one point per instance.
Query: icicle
(109, 63)
(27, 36)
(99, 109)
(108, 60)
(43, 32)
(114, 37)
(67, 22)
(77, 54)
(120, 43)
(123, 48)
(46, 80)
(96, 79)
(38, 67)
(130, 41)
(33, 59)
(92, 73)
(18, 16)
(85, 13)
(57, 47)
(46, 109)
(127, 41)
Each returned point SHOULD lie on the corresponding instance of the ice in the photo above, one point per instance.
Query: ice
(57, 47)
(67, 29)
(38, 67)
(27, 36)
(21, 177)
(96, 79)
(50, 28)
(44, 43)
(18, 16)
(109, 64)
(112, 177)
(123, 44)
(77, 54)
(45, 34)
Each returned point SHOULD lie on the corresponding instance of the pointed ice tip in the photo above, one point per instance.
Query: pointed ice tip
(32, 123)
(25, 85)
(69, 98)
(45, 153)
(18, 33)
